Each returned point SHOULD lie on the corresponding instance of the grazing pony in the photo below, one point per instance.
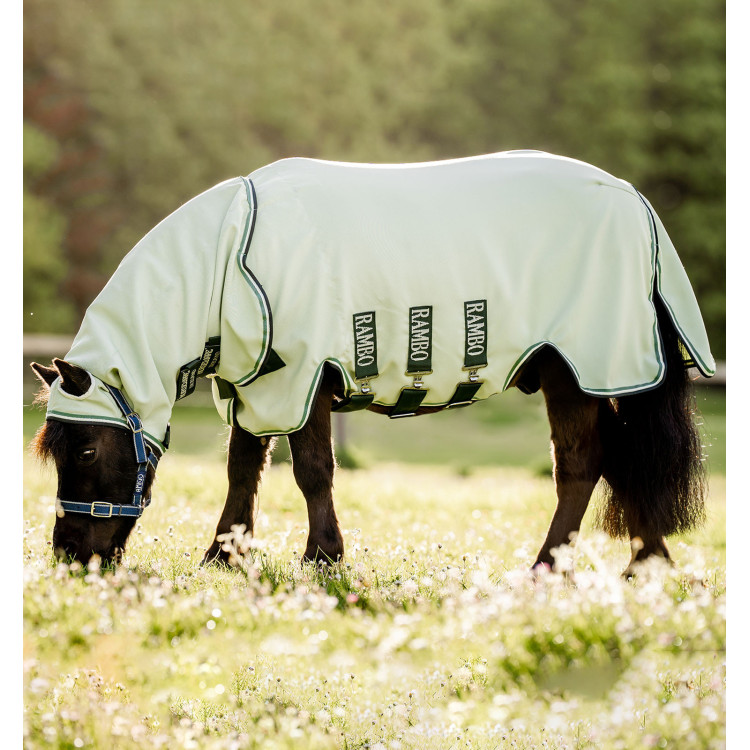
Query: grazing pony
(311, 287)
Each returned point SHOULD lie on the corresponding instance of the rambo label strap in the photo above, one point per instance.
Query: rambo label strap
(365, 362)
(475, 352)
(419, 359)
(418, 362)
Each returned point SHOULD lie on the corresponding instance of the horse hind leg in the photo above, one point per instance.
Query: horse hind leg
(653, 465)
(313, 465)
(643, 546)
(631, 477)
(577, 450)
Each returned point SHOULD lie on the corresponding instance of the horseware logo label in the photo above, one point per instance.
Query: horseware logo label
(187, 378)
(365, 345)
(202, 366)
(475, 315)
(210, 359)
(420, 339)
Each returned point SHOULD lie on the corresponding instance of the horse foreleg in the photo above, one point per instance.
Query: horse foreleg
(577, 452)
(246, 460)
(313, 465)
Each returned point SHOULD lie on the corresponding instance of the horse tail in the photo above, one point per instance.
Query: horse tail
(654, 472)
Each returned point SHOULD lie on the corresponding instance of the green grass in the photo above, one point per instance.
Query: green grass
(430, 635)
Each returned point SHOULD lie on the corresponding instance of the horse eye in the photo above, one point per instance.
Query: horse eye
(86, 457)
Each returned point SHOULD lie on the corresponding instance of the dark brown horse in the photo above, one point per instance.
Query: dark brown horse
(297, 288)
(645, 446)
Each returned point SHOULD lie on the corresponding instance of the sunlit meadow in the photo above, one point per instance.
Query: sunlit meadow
(431, 634)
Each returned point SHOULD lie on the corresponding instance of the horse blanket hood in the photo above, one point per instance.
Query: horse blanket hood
(423, 284)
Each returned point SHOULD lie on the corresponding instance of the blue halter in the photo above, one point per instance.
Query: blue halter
(144, 456)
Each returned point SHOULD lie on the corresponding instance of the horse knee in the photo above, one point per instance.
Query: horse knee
(313, 471)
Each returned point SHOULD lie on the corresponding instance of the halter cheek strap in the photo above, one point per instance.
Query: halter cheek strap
(144, 457)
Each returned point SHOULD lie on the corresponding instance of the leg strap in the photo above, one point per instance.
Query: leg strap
(408, 402)
(464, 394)
(355, 402)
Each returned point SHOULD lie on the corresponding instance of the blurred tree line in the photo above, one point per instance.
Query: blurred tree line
(132, 107)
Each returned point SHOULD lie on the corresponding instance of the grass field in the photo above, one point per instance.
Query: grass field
(431, 634)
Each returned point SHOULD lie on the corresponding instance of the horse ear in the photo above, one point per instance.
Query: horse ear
(73, 379)
(47, 375)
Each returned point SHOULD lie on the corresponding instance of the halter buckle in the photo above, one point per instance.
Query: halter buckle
(107, 513)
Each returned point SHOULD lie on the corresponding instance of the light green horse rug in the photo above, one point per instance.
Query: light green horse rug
(422, 284)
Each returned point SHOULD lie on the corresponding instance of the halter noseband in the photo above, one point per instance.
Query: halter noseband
(144, 456)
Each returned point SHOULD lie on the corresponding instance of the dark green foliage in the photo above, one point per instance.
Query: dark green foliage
(43, 266)
(164, 100)
(636, 88)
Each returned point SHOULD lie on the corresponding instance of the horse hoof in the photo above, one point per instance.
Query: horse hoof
(318, 556)
(216, 557)
(540, 569)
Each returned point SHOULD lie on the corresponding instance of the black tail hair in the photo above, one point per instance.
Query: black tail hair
(653, 459)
